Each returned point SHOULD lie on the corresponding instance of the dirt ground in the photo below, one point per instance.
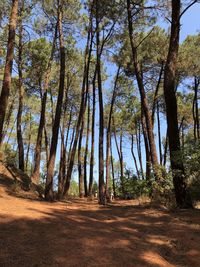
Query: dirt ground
(81, 233)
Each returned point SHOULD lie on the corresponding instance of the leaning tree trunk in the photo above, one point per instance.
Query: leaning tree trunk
(54, 141)
(134, 157)
(5, 92)
(176, 156)
(144, 101)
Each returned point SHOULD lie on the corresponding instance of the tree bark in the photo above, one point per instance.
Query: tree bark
(86, 148)
(54, 141)
(176, 158)
(93, 134)
(5, 92)
(101, 112)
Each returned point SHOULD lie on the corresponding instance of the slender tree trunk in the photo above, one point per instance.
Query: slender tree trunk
(159, 133)
(108, 136)
(38, 147)
(54, 141)
(5, 92)
(138, 143)
(119, 151)
(80, 169)
(86, 148)
(93, 135)
(147, 150)
(176, 158)
(29, 144)
(165, 149)
(112, 167)
(155, 98)
(20, 97)
(144, 101)
(88, 52)
(101, 112)
(8, 117)
(195, 110)
(121, 161)
(71, 143)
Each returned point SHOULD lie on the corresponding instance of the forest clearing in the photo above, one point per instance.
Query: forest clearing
(99, 133)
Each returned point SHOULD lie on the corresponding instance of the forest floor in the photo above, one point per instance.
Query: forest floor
(82, 233)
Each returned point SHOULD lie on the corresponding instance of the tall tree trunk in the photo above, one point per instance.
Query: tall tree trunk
(29, 143)
(176, 158)
(165, 149)
(155, 98)
(93, 134)
(80, 169)
(20, 96)
(138, 143)
(88, 52)
(144, 101)
(71, 144)
(112, 167)
(120, 155)
(86, 148)
(54, 141)
(38, 147)
(147, 150)
(5, 92)
(195, 110)
(101, 112)
(108, 136)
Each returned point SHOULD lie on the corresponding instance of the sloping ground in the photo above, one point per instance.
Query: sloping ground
(17, 183)
(80, 233)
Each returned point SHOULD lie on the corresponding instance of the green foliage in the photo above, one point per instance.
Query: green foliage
(9, 155)
(192, 167)
(74, 189)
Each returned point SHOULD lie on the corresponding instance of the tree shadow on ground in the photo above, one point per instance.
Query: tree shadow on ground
(87, 235)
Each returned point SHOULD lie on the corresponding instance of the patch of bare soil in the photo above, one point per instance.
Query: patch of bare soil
(81, 233)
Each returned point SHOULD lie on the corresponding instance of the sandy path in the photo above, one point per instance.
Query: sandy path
(34, 233)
